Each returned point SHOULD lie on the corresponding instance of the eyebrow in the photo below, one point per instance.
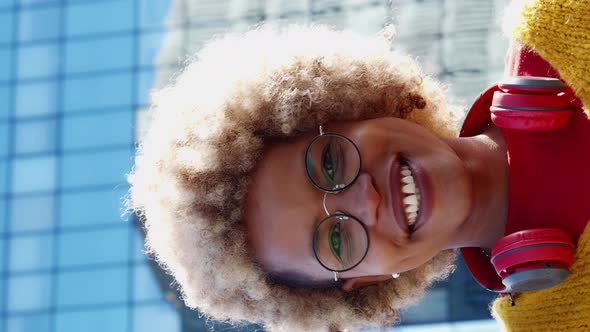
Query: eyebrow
(296, 279)
(311, 250)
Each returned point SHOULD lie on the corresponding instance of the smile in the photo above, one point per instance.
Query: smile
(410, 193)
(410, 188)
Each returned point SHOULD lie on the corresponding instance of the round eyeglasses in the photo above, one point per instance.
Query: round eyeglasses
(333, 163)
(340, 242)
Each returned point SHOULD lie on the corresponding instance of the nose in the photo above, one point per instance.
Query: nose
(360, 200)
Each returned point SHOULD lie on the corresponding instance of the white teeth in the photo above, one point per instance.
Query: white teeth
(408, 179)
(409, 188)
(411, 208)
(412, 197)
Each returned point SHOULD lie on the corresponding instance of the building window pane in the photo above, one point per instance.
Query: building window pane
(3, 219)
(144, 86)
(3, 178)
(35, 136)
(29, 292)
(34, 99)
(4, 140)
(145, 286)
(2, 249)
(432, 308)
(33, 174)
(31, 252)
(170, 59)
(38, 23)
(38, 2)
(6, 3)
(92, 208)
(5, 64)
(149, 46)
(90, 131)
(5, 109)
(89, 18)
(32, 213)
(138, 247)
(155, 318)
(112, 320)
(108, 286)
(40, 60)
(6, 27)
(106, 168)
(99, 54)
(152, 13)
(29, 323)
(142, 120)
(94, 247)
(98, 92)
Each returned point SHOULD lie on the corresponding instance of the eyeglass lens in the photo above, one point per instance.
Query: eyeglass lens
(340, 242)
(332, 162)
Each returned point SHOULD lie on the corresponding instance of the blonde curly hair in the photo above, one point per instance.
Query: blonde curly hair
(211, 126)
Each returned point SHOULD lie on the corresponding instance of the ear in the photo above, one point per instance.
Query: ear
(358, 282)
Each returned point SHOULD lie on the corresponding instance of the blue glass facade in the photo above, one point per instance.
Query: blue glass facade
(72, 74)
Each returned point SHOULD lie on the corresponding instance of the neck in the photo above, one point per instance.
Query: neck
(485, 158)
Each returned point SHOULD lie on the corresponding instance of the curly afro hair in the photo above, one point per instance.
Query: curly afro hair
(211, 126)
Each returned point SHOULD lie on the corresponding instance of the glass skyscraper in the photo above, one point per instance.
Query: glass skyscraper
(75, 81)
(72, 74)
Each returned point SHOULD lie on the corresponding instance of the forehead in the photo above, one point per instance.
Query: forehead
(283, 208)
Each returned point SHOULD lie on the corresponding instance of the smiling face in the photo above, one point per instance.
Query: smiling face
(284, 207)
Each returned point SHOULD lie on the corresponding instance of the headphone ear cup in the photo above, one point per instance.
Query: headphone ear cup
(534, 279)
(533, 259)
(531, 103)
(530, 120)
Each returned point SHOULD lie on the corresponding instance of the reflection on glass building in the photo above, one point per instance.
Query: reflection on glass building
(75, 78)
(71, 75)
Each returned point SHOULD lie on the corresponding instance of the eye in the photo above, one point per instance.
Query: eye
(333, 163)
(335, 238)
(328, 163)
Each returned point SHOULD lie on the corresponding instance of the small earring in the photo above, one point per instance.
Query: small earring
(335, 276)
(395, 275)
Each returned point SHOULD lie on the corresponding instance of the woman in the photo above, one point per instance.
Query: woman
(309, 179)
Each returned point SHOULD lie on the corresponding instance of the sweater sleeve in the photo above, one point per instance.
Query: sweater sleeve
(565, 307)
(558, 30)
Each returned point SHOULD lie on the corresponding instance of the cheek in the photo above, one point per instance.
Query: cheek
(386, 257)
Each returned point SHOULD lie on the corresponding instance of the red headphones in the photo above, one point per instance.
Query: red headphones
(536, 258)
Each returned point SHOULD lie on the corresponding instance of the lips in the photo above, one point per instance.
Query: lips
(422, 181)
(424, 184)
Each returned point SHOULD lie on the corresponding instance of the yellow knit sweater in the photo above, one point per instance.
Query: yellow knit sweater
(559, 30)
